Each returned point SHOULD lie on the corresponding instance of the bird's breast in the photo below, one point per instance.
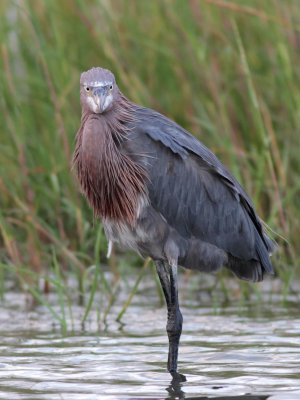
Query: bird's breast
(112, 181)
(124, 233)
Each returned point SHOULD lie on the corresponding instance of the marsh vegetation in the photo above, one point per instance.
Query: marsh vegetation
(225, 70)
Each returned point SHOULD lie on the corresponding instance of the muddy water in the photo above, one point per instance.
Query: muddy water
(241, 352)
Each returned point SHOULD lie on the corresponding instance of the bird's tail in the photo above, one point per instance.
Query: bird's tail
(247, 270)
(264, 248)
(254, 270)
(272, 246)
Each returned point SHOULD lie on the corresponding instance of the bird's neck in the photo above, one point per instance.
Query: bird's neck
(111, 180)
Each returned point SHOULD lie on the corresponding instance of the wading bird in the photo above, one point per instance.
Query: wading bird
(162, 193)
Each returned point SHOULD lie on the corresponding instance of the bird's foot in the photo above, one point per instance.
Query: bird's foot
(177, 377)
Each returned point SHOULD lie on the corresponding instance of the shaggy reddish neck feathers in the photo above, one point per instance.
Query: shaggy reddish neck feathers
(112, 182)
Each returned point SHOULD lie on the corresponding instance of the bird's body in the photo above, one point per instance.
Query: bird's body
(161, 192)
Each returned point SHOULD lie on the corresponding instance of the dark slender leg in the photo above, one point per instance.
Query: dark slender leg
(164, 280)
(174, 324)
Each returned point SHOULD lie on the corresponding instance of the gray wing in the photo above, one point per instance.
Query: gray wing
(194, 192)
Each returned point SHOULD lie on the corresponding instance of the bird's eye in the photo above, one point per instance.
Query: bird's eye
(111, 87)
(87, 88)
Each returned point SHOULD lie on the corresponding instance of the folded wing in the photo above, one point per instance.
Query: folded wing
(194, 192)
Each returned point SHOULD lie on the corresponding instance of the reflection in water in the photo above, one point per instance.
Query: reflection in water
(175, 391)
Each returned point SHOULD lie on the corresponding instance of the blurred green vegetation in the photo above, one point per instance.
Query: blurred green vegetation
(228, 71)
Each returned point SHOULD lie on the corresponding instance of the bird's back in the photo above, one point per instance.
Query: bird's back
(198, 198)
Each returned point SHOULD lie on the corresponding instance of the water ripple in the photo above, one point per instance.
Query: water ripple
(221, 355)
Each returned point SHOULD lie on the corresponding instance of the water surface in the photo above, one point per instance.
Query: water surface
(236, 352)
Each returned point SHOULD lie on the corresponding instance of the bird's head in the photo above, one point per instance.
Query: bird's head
(98, 90)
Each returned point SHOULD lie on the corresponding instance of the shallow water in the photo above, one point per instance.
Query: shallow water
(244, 353)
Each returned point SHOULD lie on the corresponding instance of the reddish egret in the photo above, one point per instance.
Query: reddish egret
(162, 193)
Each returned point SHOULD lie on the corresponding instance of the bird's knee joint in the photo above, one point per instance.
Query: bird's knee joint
(174, 324)
(174, 333)
(171, 252)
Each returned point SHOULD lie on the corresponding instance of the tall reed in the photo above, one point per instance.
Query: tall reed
(225, 70)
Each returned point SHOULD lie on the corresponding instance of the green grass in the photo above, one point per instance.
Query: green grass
(228, 71)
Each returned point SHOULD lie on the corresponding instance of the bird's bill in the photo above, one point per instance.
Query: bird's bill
(100, 98)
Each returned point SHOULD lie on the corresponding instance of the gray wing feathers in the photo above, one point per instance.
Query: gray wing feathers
(191, 188)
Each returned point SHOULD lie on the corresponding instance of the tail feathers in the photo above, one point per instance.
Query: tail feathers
(247, 270)
(264, 253)
(271, 245)
(253, 270)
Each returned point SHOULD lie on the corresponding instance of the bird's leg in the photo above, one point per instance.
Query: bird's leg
(168, 280)
(174, 324)
(164, 280)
